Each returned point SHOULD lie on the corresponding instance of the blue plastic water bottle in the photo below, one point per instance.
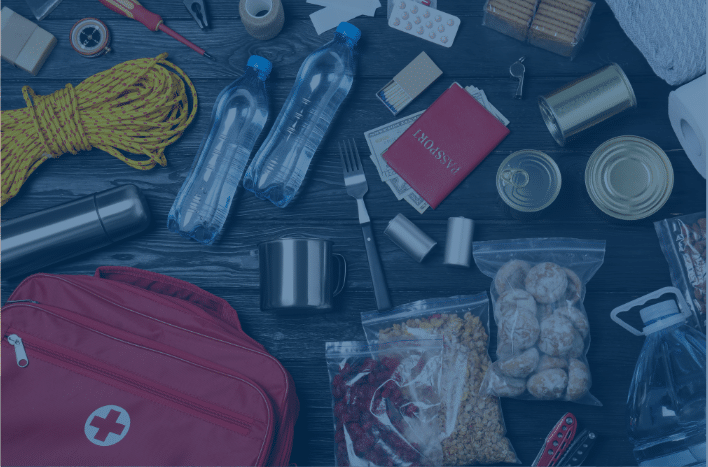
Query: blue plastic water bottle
(239, 115)
(667, 397)
(324, 80)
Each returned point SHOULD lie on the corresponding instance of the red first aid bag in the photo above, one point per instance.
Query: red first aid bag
(131, 367)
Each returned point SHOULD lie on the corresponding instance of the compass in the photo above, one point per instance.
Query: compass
(90, 37)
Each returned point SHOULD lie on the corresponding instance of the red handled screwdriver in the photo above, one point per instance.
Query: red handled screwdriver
(133, 9)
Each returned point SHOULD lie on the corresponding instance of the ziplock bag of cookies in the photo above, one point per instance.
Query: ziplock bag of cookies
(386, 401)
(543, 331)
(683, 241)
(471, 423)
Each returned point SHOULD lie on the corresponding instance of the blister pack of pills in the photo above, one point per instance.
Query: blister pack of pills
(425, 22)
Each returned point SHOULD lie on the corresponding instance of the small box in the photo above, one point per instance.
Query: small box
(23, 43)
(408, 83)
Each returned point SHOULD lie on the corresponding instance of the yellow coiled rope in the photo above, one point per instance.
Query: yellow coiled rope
(139, 106)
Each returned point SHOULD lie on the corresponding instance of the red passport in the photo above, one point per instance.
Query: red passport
(445, 144)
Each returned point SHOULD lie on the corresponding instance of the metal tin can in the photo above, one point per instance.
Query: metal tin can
(629, 177)
(528, 181)
(586, 102)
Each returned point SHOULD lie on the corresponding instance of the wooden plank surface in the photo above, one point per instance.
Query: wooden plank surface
(633, 263)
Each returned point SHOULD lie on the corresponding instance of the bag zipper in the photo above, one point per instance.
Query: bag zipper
(101, 297)
(287, 403)
(242, 426)
(20, 353)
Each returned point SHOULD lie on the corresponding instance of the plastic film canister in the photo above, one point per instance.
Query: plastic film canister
(458, 246)
(409, 238)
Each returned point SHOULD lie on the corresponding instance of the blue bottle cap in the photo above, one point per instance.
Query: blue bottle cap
(260, 64)
(349, 30)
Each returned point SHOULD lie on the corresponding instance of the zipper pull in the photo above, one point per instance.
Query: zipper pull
(20, 353)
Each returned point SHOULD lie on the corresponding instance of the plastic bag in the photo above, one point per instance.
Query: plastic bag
(471, 424)
(386, 400)
(683, 241)
(42, 8)
(392, 3)
(543, 332)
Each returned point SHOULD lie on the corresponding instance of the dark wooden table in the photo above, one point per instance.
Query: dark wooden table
(634, 264)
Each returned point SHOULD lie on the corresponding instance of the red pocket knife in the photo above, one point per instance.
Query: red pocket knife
(557, 441)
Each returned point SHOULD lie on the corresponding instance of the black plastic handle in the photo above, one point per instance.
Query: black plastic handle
(383, 302)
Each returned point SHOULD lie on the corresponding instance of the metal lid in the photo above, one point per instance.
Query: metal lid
(122, 211)
(629, 177)
(528, 180)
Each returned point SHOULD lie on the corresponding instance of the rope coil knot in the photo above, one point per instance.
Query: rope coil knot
(137, 107)
(56, 121)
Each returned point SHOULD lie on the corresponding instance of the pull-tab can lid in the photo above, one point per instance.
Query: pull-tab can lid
(262, 65)
(629, 177)
(349, 30)
(528, 180)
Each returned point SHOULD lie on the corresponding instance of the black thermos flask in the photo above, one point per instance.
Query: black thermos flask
(40, 239)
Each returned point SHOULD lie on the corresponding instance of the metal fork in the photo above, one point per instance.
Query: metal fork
(355, 181)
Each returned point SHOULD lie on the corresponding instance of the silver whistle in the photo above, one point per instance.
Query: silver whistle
(517, 71)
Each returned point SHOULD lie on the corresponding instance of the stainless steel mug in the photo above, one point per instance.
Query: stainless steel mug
(300, 274)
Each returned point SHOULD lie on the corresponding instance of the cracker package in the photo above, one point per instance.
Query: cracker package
(471, 422)
(559, 26)
(543, 332)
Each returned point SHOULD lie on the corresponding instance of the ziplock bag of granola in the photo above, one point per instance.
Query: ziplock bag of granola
(543, 332)
(683, 241)
(386, 400)
(471, 422)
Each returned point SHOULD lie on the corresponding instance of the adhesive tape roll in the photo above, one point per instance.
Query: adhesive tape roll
(266, 26)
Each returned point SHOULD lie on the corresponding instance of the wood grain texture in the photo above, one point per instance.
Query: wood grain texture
(634, 264)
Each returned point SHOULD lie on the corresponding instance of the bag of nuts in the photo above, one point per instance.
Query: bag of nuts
(386, 400)
(543, 332)
(683, 241)
(471, 423)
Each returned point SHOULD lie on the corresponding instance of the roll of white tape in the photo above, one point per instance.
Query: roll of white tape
(263, 19)
(688, 113)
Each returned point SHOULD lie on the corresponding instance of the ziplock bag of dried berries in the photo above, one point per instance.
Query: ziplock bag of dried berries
(543, 332)
(471, 422)
(386, 400)
(683, 241)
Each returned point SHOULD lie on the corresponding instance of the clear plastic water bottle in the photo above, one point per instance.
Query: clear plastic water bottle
(239, 115)
(667, 397)
(324, 80)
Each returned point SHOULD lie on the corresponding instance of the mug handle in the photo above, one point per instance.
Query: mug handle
(341, 274)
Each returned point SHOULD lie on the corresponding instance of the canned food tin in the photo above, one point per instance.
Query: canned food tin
(586, 102)
(629, 177)
(528, 181)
